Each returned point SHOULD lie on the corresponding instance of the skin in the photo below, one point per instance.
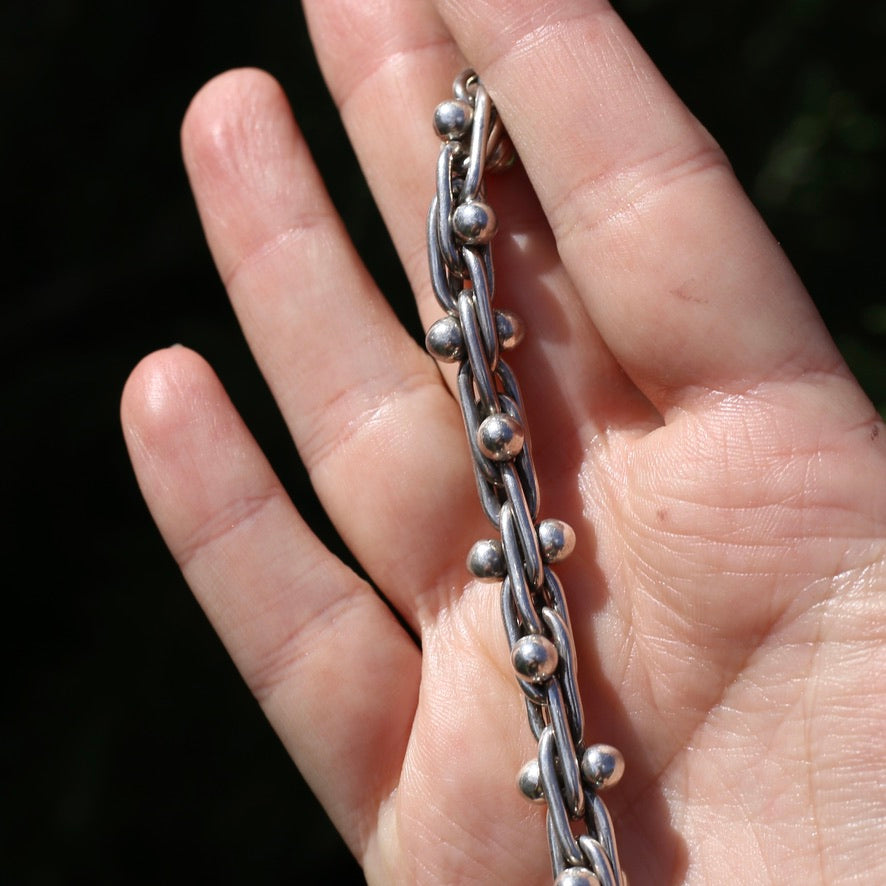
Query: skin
(691, 419)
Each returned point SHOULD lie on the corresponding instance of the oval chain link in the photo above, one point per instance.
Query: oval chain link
(566, 775)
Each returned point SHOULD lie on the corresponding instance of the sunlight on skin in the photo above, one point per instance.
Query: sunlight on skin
(691, 418)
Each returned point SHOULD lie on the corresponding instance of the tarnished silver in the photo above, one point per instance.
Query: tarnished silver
(500, 437)
(566, 775)
(556, 539)
(529, 781)
(534, 658)
(602, 765)
(486, 560)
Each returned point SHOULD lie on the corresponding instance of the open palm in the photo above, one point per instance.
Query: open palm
(690, 417)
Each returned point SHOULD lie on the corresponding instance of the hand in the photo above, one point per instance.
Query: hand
(691, 418)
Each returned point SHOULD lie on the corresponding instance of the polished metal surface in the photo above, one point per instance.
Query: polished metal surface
(567, 775)
(602, 765)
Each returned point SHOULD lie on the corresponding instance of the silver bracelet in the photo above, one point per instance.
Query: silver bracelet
(566, 775)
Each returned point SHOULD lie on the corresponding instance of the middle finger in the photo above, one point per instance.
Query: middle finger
(388, 65)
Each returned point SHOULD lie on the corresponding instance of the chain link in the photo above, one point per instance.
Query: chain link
(566, 775)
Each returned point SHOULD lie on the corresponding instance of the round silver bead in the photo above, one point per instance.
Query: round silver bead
(500, 437)
(602, 766)
(556, 540)
(577, 877)
(534, 658)
(510, 329)
(444, 340)
(452, 119)
(474, 222)
(529, 782)
(486, 560)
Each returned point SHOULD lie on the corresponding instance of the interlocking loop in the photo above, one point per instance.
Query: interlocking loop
(567, 776)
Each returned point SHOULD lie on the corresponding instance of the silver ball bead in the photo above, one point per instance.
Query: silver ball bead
(486, 560)
(452, 119)
(602, 766)
(534, 658)
(474, 222)
(500, 437)
(445, 341)
(510, 329)
(529, 782)
(556, 539)
(577, 877)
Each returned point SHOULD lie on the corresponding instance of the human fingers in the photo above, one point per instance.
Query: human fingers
(334, 672)
(678, 272)
(388, 65)
(366, 407)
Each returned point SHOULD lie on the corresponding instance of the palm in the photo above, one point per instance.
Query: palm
(690, 418)
(720, 631)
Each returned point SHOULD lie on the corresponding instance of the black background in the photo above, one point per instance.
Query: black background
(131, 752)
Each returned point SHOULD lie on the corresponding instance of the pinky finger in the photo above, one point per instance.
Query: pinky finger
(329, 664)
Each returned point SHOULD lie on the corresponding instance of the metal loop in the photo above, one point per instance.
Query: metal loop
(510, 385)
(538, 722)
(561, 635)
(470, 327)
(439, 278)
(553, 591)
(490, 270)
(470, 411)
(536, 694)
(445, 237)
(513, 409)
(599, 822)
(496, 134)
(523, 462)
(486, 473)
(479, 137)
(464, 87)
(520, 588)
(488, 484)
(476, 269)
(547, 765)
(528, 536)
(570, 770)
(509, 614)
(598, 861)
(525, 466)
(558, 860)
(489, 498)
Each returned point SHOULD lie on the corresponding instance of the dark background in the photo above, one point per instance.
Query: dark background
(131, 752)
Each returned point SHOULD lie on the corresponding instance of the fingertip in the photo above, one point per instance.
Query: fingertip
(222, 98)
(248, 164)
(226, 127)
(148, 389)
(166, 390)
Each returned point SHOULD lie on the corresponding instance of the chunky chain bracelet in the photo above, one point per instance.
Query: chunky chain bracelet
(566, 775)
